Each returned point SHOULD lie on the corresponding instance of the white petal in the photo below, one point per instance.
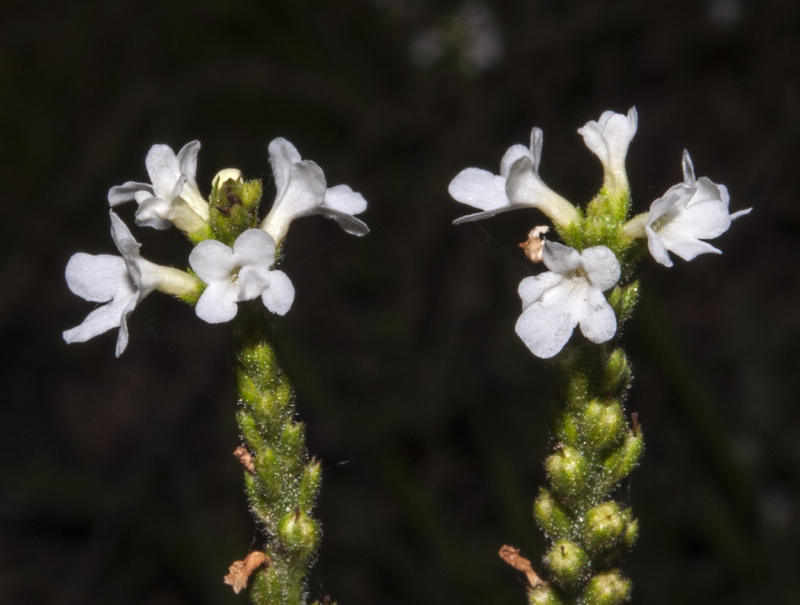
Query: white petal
(217, 304)
(163, 169)
(524, 188)
(255, 247)
(690, 249)
(123, 238)
(740, 213)
(187, 159)
(303, 194)
(122, 335)
(545, 326)
(689, 178)
(213, 261)
(602, 267)
(511, 155)
(97, 278)
(343, 199)
(705, 220)
(99, 321)
(154, 212)
(597, 320)
(657, 248)
(252, 281)
(127, 192)
(480, 189)
(560, 258)
(282, 155)
(609, 139)
(350, 224)
(279, 295)
(533, 288)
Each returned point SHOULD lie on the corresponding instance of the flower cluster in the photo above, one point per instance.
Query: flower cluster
(598, 238)
(232, 260)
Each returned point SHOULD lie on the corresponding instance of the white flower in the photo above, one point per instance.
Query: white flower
(302, 191)
(517, 186)
(120, 282)
(609, 139)
(173, 196)
(687, 213)
(241, 273)
(571, 293)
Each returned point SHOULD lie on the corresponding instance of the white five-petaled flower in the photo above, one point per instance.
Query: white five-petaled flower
(517, 186)
(119, 282)
(238, 274)
(609, 138)
(172, 197)
(302, 191)
(570, 294)
(686, 214)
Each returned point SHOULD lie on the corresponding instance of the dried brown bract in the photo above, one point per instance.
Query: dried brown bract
(239, 572)
(246, 458)
(511, 555)
(535, 243)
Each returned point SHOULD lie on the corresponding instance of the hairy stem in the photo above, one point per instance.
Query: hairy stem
(588, 528)
(283, 483)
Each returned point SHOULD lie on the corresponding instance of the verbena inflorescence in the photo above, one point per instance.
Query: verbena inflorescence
(232, 267)
(590, 283)
(235, 249)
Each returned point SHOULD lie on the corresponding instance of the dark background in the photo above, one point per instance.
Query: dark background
(118, 484)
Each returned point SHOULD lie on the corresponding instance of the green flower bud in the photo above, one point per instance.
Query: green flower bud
(623, 300)
(293, 436)
(552, 519)
(631, 531)
(607, 588)
(299, 533)
(309, 484)
(604, 424)
(567, 562)
(624, 459)
(617, 372)
(577, 391)
(567, 470)
(568, 429)
(234, 205)
(604, 527)
(270, 469)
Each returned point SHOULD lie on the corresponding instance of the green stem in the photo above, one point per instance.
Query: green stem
(283, 485)
(589, 530)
